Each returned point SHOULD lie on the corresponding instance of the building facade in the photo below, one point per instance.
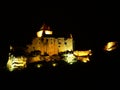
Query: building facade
(46, 43)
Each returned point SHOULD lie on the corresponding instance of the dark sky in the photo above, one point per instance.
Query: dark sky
(87, 24)
(90, 25)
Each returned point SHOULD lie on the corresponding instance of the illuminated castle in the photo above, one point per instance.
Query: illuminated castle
(47, 43)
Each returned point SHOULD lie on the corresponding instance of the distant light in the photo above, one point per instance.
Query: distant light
(11, 47)
(110, 46)
(54, 64)
(39, 65)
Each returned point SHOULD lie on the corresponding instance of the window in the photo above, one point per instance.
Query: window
(65, 43)
(59, 42)
(58, 46)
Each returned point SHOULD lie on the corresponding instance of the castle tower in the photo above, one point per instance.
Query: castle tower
(44, 30)
(51, 44)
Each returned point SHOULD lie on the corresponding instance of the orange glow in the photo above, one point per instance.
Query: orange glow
(84, 59)
(34, 59)
(110, 46)
(54, 64)
(45, 29)
(83, 53)
(39, 33)
(48, 32)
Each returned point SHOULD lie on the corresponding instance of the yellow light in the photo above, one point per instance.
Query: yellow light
(9, 65)
(70, 58)
(39, 65)
(16, 63)
(11, 47)
(48, 32)
(54, 64)
(84, 59)
(83, 53)
(110, 46)
(39, 33)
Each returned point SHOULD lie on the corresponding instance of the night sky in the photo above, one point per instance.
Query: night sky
(88, 25)
(91, 27)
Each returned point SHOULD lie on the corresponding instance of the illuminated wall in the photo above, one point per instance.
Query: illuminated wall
(15, 63)
(51, 45)
(65, 44)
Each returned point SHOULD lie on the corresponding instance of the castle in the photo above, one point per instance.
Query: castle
(49, 44)
(48, 48)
